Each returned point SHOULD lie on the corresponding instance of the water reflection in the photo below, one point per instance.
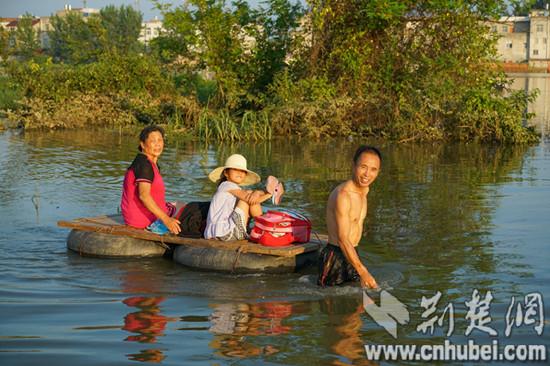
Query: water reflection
(233, 323)
(345, 315)
(442, 217)
(541, 106)
(147, 325)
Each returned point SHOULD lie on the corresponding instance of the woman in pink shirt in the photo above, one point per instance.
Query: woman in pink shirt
(143, 193)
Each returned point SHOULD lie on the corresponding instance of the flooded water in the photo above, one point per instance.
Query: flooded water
(541, 106)
(443, 219)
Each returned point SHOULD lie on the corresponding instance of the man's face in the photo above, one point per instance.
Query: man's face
(366, 170)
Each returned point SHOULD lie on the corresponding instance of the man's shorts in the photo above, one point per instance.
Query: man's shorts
(334, 268)
(239, 230)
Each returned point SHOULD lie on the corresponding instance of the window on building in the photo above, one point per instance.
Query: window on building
(494, 28)
(535, 52)
(505, 28)
(525, 45)
(545, 40)
(509, 44)
(540, 28)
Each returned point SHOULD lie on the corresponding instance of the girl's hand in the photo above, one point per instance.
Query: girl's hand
(255, 198)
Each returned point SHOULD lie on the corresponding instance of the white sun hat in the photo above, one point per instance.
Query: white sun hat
(235, 161)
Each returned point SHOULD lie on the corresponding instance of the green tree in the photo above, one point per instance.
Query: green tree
(278, 23)
(409, 69)
(523, 7)
(180, 38)
(239, 47)
(122, 27)
(4, 44)
(27, 43)
(76, 40)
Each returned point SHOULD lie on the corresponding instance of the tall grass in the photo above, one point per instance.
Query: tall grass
(222, 126)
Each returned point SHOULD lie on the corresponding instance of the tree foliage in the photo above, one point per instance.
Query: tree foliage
(241, 48)
(4, 43)
(411, 66)
(401, 70)
(122, 26)
(523, 7)
(75, 39)
(26, 42)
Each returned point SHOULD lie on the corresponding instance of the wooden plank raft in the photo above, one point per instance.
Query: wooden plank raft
(114, 225)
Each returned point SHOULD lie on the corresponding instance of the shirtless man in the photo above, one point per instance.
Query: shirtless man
(346, 211)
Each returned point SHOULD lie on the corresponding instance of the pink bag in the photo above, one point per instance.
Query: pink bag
(277, 229)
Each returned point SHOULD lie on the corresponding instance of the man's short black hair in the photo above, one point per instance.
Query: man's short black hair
(366, 149)
(147, 131)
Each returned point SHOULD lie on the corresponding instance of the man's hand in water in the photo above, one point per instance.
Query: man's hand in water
(367, 281)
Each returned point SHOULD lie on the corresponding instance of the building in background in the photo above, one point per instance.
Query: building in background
(5, 21)
(513, 41)
(524, 40)
(539, 53)
(85, 12)
(150, 30)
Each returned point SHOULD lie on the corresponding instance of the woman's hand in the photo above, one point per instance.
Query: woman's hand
(172, 224)
(145, 196)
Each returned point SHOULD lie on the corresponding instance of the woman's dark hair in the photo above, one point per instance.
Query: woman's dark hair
(366, 149)
(144, 134)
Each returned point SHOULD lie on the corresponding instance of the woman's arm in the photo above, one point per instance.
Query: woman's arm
(145, 196)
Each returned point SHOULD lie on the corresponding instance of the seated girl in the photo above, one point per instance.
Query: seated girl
(232, 206)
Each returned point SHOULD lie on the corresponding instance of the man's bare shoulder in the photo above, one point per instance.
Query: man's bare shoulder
(338, 191)
(347, 189)
(341, 195)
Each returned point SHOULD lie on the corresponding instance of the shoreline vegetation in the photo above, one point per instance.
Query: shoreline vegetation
(414, 71)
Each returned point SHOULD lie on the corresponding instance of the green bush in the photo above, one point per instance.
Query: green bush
(10, 94)
(110, 75)
(404, 71)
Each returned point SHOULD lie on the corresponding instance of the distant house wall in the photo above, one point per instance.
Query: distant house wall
(524, 39)
(539, 55)
(514, 47)
(150, 30)
(85, 12)
(43, 33)
(513, 39)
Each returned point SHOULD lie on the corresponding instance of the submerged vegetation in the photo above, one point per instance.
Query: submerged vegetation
(415, 70)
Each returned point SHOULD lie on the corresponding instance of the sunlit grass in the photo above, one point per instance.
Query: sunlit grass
(221, 125)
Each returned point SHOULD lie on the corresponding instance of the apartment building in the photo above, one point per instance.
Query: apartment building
(150, 29)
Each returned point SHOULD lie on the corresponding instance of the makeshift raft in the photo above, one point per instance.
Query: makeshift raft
(108, 236)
